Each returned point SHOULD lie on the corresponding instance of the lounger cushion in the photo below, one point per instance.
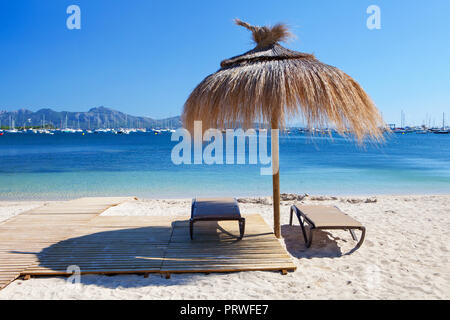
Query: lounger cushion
(328, 216)
(215, 208)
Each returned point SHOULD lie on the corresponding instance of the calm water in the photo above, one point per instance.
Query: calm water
(36, 166)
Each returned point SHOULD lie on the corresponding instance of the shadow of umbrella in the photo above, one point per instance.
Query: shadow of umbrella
(122, 251)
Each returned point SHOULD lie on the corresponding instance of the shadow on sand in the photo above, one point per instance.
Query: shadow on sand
(323, 246)
(138, 251)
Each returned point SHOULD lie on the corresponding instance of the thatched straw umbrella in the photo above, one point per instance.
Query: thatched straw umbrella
(270, 84)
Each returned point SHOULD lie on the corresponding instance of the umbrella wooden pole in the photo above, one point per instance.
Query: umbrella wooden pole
(276, 179)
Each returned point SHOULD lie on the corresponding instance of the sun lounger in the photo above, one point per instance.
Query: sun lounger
(215, 209)
(326, 217)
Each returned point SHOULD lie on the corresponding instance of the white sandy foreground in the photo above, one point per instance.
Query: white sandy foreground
(405, 256)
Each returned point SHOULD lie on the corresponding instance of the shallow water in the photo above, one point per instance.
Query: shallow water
(64, 165)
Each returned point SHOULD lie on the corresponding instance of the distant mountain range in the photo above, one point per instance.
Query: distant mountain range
(95, 118)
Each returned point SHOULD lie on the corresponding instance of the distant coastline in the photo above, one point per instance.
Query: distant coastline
(95, 118)
(108, 118)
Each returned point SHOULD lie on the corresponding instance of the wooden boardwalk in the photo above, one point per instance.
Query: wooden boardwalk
(109, 244)
(23, 237)
(47, 240)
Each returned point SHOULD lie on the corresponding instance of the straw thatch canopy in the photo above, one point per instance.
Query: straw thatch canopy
(270, 84)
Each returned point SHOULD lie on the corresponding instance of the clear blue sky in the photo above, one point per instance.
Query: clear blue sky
(144, 57)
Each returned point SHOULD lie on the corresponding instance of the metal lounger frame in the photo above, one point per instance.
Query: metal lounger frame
(302, 218)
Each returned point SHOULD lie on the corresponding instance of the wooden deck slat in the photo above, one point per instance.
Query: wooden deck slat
(24, 236)
(44, 242)
(216, 249)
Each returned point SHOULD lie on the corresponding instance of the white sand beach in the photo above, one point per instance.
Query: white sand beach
(405, 256)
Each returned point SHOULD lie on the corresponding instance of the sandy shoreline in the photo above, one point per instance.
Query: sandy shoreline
(405, 256)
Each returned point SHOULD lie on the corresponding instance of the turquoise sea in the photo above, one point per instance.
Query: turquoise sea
(70, 165)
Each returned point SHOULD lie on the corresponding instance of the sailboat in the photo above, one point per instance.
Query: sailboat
(443, 130)
(421, 131)
(12, 125)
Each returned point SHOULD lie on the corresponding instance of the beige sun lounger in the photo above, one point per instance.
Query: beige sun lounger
(326, 217)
